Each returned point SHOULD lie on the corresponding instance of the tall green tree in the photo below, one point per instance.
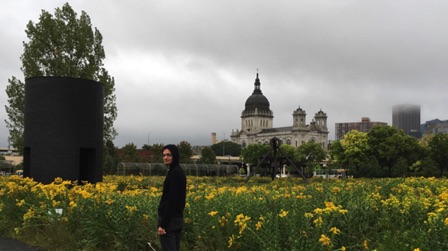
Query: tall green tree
(130, 154)
(253, 153)
(207, 156)
(66, 46)
(310, 156)
(185, 152)
(290, 152)
(110, 158)
(393, 149)
(337, 155)
(156, 150)
(356, 150)
(438, 151)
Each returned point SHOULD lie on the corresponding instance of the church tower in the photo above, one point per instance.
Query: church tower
(299, 119)
(321, 121)
(257, 114)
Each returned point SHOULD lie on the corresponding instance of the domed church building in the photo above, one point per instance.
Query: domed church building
(257, 124)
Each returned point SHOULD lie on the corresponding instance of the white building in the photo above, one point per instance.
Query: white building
(257, 124)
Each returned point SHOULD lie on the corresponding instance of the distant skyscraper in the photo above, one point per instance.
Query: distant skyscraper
(407, 118)
(364, 126)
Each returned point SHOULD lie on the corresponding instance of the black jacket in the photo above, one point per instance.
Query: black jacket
(172, 202)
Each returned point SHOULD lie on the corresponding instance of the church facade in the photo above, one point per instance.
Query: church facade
(257, 124)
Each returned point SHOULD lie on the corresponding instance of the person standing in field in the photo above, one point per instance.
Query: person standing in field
(172, 202)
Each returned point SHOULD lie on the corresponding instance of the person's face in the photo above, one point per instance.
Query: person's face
(167, 157)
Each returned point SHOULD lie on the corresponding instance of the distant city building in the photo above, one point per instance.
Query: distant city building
(257, 124)
(434, 126)
(407, 118)
(364, 126)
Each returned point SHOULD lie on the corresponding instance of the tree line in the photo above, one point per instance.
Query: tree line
(130, 153)
(386, 151)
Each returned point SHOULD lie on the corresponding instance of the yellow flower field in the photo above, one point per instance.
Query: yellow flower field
(120, 213)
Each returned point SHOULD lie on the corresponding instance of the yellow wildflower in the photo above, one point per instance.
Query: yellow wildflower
(241, 221)
(309, 215)
(210, 196)
(213, 213)
(325, 240)
(223, 221)
(282, 213)
(336, 190)
(29, 214)
(335, 230)
(131, 208)
(72, 204)
(57, 180)
(318, 222)
(20, 203)
(231, 238)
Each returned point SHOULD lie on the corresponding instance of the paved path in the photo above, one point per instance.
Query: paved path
(8, 244)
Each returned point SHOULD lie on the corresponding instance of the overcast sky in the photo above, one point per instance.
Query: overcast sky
(184, 69)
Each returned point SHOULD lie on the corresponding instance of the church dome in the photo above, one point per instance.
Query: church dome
(257, 100)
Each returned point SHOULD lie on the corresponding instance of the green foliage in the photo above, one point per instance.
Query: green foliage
(66, 46)
(356, 147)
(290, 152)
(352, 151)
(185, 151)
(207, 156)
(377, 141)
(16, 112)
(110, 158)
(130, 154)
(225, 148)
(253, 153)
(156, 150)
(310, 155)
(438, 151)
(383, 152)
(391, 146)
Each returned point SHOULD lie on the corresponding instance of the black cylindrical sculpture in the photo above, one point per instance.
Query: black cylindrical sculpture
(63, 129)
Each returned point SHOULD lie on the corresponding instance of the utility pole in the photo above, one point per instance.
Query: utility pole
(223, 142)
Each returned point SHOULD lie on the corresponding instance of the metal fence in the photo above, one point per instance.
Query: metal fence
(159, 169)
(6, 167)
